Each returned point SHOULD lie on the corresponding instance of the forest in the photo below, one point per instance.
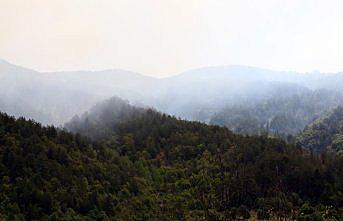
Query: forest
(325, 133)
(120, 162)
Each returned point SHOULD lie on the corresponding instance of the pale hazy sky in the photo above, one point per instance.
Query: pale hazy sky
(163, 37)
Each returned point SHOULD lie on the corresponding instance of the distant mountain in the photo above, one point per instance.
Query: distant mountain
(54, 98)
(325, 133)
(215, 88)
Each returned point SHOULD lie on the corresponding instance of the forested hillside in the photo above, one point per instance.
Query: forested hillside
(200, 171)
(283, 114)
(151, 166)
(325, 133)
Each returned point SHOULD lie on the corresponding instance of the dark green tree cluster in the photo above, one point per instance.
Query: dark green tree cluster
(215, 174)
(49, 174)
(151, 166)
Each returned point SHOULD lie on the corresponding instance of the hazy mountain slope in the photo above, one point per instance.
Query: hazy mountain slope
(324, 133)
(284, 113)
(214, 88)
(19, 94)
(102, 119)
(198, 94)
(53, 98)
(123, 83)
(328, 81)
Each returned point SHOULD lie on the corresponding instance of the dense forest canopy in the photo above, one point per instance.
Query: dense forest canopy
(223, 173)
(324, 133)
(151, 166)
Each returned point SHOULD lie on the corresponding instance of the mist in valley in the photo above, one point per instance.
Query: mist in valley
(221, 95)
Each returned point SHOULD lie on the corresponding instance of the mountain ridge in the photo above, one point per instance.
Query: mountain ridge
(197, 69)
(187, 95)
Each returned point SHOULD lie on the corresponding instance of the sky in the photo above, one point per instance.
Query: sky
(166, 37)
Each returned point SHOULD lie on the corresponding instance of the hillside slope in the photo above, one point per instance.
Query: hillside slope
(155, 167)
(325, 133)
(282, 114)
(206, 171)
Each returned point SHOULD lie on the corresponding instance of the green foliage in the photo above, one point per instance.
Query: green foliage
(156, 167)
(325, 133)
